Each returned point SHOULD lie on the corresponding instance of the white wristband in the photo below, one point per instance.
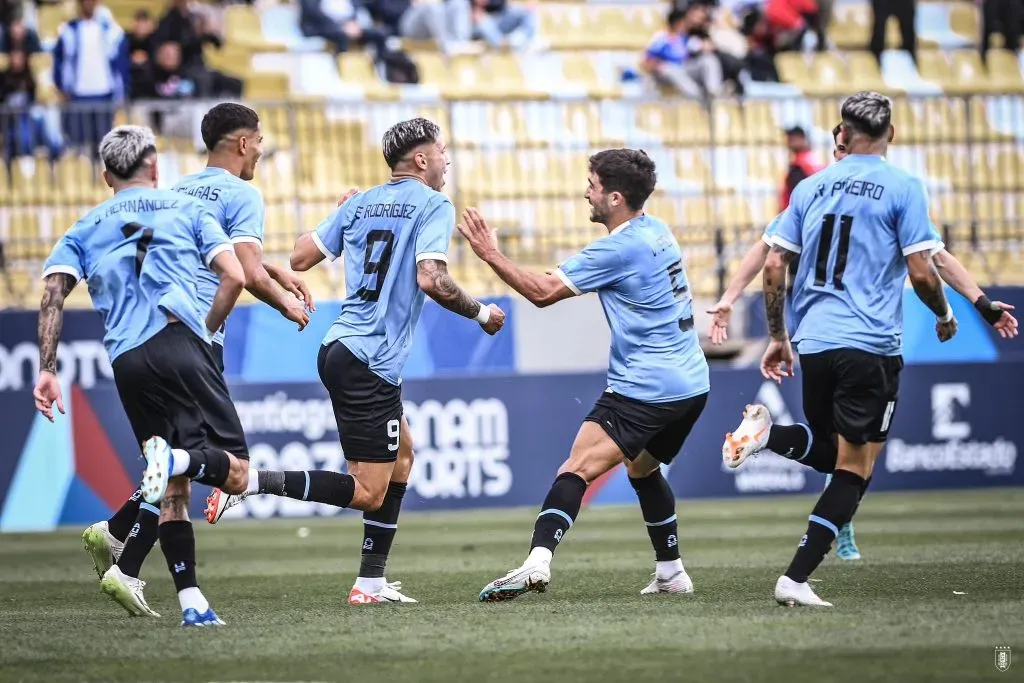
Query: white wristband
(484, 314)
(949, 315)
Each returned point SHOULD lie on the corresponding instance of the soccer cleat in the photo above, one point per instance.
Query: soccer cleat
(846, 544)
(218, 502)
(158, 469)
(192, 618)
(680, 583)
(102, 547)
(527, 578)
(749, 438)
(127, 592)
(790, 593)
(391, 592)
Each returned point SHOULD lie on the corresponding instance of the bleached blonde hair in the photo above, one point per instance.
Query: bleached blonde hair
(124, 149)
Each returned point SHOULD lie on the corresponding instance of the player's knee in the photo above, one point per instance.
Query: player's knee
(238, 477)
(638, 469)
(368, 498)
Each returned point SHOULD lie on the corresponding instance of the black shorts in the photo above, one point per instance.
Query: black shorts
(368, 409)
(658, 428)
(171, 387)
(851, 393)
(218, 356)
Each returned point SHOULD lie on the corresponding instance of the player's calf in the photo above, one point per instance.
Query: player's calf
(658, 505)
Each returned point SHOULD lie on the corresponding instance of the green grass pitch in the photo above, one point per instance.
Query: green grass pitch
(942, 585)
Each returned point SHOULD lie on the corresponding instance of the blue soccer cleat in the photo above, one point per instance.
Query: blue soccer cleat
(846, 544)
(192, 617)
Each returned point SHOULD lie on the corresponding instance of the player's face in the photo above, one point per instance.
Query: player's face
(839, 151)
(438, 162)
(252, 152)
(600, 203)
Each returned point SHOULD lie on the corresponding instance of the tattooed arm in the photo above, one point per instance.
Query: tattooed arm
(433, 278)
(774, 285)
(927, 284)
(51, 318)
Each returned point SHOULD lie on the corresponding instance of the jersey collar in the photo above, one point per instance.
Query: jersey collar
(620, 228)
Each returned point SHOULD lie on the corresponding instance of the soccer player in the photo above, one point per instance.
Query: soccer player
(232, 136)
(864, 224)
(755, 433)
(394, 238)
(139, 252)
(658, 379)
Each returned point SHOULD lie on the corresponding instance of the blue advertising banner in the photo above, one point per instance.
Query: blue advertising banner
(497, 441)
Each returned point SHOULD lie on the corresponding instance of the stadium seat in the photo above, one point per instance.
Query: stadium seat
(578, 69)
(264, 86)
(358, 68)
(864, 71)
(828, 75)
(1004, 71)
(242, 28)
(793, 68)
(964, 20)
(968, 74)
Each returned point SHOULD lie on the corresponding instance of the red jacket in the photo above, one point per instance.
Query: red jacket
(786, 15)
(802, 166)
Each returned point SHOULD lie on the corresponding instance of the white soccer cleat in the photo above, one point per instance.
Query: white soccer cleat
(127, 592)
(680, 583)
(218, 502)
(158, 469)
(531, 577)
(749, 438)
(391, 592)
(790, 593)
(102, 547)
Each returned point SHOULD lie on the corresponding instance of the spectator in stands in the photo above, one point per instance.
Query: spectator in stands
(683, 57)
(760, 59)
(789, 21)
(1001, 16)
(10, 10)
(905, 12)
(801, 163)
(141, 47)
(169, 80)
(340, 22)
(91, 71)
(497, 21)
(448, 22)
(24, 127)
(17, 36)
(192, 31)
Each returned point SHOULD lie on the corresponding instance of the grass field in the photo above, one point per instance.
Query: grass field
(899, 614)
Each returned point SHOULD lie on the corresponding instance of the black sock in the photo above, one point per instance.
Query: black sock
(798, 443)
(208, 465)
(834, 509)
(140, 541)
(379, 529)
(319, 486)
(658, 505)
(122, 521)
(863, 490)
(559, 511)
(178, 542)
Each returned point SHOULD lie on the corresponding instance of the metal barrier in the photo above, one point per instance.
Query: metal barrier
(524, 165)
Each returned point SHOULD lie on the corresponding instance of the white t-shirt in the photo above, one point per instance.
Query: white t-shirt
(93, 72)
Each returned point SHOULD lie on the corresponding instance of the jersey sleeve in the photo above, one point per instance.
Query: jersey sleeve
(939, 244)
(435, 233)
(914, 229)
(772, 228)
(788, 232)
(598, 266)
(66, 258)
(245, 216)
(210, 237)
(329, 236)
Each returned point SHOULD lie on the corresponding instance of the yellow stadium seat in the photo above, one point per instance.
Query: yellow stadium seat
(828, 75)
(863, 67)
(564, 27)
(232, 59)
(766, 164)
(578, 69)
(933, 66)
(692, 166)
(968, 74)
(793, 68)
(266, 86)
(964, 20)
(358, 68)
(281, 227)
(242, 27)
(50, 17)
(850, 28)
(1004, 71)
(78, 181)
(675, 123)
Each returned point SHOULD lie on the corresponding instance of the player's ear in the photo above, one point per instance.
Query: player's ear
(106, 179)
(155, 171)
(892, 132)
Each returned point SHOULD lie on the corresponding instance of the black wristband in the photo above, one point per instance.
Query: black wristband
(988, 310)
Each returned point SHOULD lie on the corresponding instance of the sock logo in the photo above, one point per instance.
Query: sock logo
(135, 531)
(179, 567)
(672, 541)
(368, 544)
(803, 541)
(558, 535)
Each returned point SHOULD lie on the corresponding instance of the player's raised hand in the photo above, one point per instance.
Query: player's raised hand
(352, 192)
(297, 286)
(481, 238)
(47, 392)
(295, 311)
(1006, 326)
(945, 331)
(495, 322)
(720, 314)
(777, 361)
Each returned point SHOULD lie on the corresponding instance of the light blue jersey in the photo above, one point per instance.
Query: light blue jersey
(637, 271)
(140, 252)
(854, 224)
(384, 232)
(237, 206)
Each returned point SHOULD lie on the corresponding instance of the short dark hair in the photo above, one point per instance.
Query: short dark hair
(630, 172)
(224, 119)
(836, 131)
(674, 15)
(868, 113)
(406, 136)
(142, 14)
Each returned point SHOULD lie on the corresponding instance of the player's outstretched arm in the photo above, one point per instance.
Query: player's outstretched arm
(721, 312)
(264, 288)
(995, 313)
(928, 286)
(540, 289)
(433, 278)
(51, 321)
(777, 361)
(232, 282)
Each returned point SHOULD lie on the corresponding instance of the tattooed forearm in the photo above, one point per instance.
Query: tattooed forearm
(775, 291)
(929, 290)
(51, 318)
(435, 280)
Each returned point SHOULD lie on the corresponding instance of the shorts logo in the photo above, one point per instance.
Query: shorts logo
(368, 544)
(672, 541)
